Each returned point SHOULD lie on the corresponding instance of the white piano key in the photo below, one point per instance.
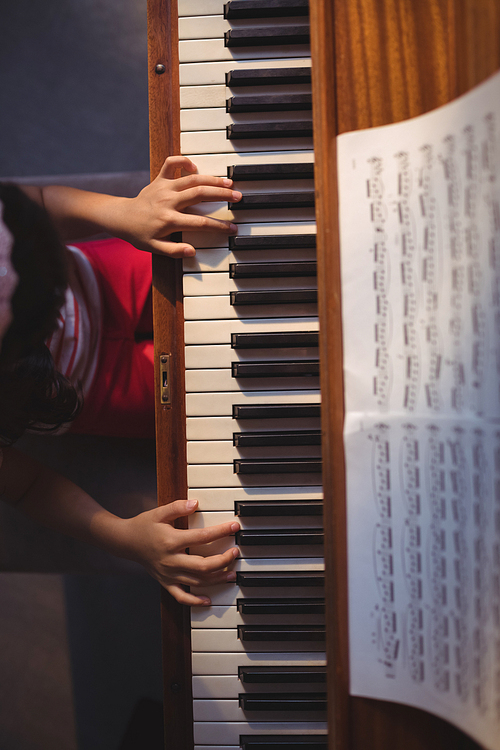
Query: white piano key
(199, 7)
(217, 259)
(222, 475)
(217, 142)
(221, 355)
(221, 404)
(212, 50)
(212, 26)
(229, 710)
(201, 97)
(203, 381)
(222, 428)
(229, 686)
(228, 733)
(206, 640)
(222, 212)
(225, 594)
(217, 451)
(222, 545)
(210, 73)
(203, 519)
(223, 498)
(217, 239)
(217, 118)
(219, 307)
(229, 617)
(217, 164)
(219, 331)
(198, 97)
(217, 284)
(206, 663)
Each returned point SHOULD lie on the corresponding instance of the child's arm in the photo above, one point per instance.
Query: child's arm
(145, 220)
(148, 538)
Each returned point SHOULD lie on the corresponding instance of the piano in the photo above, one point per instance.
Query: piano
(241, 424)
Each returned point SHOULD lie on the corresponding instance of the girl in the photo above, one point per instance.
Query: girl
(33, 394)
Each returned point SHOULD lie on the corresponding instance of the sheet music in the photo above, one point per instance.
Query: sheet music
(420, 255)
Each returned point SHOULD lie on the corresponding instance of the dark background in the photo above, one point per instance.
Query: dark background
(79, 631)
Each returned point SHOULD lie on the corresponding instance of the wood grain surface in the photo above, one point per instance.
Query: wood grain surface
(164, 123)
(376, 62)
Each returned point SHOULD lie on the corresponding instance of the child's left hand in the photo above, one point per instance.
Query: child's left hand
(151, 539)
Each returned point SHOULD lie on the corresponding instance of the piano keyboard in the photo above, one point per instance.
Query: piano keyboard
(252, 376)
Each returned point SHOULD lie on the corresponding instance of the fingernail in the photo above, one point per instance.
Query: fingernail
(191, 504)
(233, 228)
(226, 182)
(205, 603)
(231, 577)
(235, 527)
(236, 552)
(188, 252)
(236, 195)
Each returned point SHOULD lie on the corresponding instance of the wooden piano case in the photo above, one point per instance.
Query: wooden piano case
(374, 62)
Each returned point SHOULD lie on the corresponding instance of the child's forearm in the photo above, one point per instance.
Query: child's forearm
(148, 538)
(79, 213)
(147, 220)
(58, 503)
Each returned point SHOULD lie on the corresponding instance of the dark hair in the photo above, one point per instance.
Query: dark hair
(32, 393)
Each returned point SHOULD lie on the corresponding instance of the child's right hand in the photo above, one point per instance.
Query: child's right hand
(147, 220)
(152, 540)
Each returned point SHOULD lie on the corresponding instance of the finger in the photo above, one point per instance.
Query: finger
(199, 223)
(199, 180)
(203, 579)
(194, 537)
(172, 249)
(206, 567)
(184, 597)
(204, 194)
(173, 163)
(177, 509)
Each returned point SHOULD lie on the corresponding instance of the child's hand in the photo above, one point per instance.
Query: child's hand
(157, 211)
(161, 549)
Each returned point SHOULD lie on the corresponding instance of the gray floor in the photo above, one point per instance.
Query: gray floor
(79, 630)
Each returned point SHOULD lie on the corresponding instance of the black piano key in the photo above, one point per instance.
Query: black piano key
(281, 606)
(271, 241)
(287, 339)
(265, 8)
(283, 742)
(276, 437)
(271, 270)
(276, 466)
(258, 508)
(273, 297)
(267, 77)
(275, 411)
(283, 102)
(278, 674)
(281, 537)
(287, 129)
(299, 171)
(281, 633)
(300, 368)
(260, 36)
(280, 579)
(284, 702)
(259, 201)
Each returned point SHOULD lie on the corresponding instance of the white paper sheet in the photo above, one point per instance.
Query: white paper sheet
(420, 255)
